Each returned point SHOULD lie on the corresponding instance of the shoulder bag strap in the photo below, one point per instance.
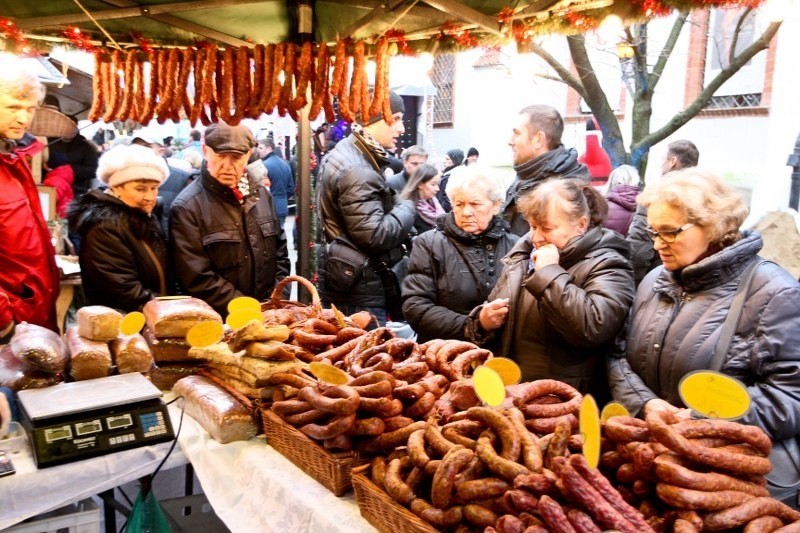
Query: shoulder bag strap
(734, 314)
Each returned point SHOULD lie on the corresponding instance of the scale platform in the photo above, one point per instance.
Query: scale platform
(73, 421)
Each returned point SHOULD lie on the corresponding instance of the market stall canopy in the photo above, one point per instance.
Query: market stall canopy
(423, 24)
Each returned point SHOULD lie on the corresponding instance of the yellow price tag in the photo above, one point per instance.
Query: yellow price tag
(327, 373)
(613, 409)
(204, 334)
(132, 323)
(714, 395)
(244, 302)
(240, 318)
(489, 386)
(589, 419)
(508, 370)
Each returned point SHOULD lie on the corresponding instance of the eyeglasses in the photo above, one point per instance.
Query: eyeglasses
(667, 236)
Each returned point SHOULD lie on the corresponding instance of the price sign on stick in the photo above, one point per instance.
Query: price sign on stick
(613, 409)
(714, 395)
(244, 302)
(132, 323)
(590, 430)
(241, 317)
(507, 369)
(327, 373)
(204, 334)
(489, 386)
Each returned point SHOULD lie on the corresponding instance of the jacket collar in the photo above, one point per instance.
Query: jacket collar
(495, 230)
(225, 193)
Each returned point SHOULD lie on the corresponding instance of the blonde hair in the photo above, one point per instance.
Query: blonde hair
(17, 80)
(622, 175)
(704, 199)
(576, 198)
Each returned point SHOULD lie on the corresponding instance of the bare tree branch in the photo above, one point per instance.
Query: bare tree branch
(666, 52)
(737, 32)
(565, 75)
(760, 44)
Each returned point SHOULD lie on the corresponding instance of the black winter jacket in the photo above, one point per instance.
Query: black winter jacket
(449, 273)
(557, 163)
(676, 321)
(355, 201)
(223, 249)
(563, 319)
(123, 253)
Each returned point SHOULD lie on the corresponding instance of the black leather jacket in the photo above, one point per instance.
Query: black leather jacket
(123, 253)
(355, 201)
(223, 249)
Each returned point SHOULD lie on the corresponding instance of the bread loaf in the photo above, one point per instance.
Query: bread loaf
(98, 323)
(256, 393)
(18, 376)
(39, 348)
(262, 369)
(174, 318)
(89, 359)
(165, 375)
(220, 414)
(166, 350)
(131, 354)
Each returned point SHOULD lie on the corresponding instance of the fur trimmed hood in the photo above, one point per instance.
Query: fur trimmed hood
(97, 207)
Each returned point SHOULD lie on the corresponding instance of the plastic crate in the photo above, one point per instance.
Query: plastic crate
(81, 517)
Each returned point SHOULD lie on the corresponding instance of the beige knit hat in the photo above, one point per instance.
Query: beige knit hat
(124, 163)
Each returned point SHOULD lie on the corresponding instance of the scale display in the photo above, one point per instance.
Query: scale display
(93, 417)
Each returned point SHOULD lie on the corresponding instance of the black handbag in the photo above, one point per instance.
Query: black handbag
(783, 481)
(344, 264)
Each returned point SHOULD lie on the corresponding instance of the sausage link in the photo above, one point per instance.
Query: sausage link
(508, 523)
(543, 426)
(395, 486)
(536, 482)
(313, 341)
(374, 390)
(463, 363)
(604, 487)
(445, 476)
(392, 439)
(349, 333)
(481, 489)
(440, 518)
(339, 353)
(416, 449)
(342, 442)
(714, 428)
(531, 453)
(435, 439)
(455, 437)
(588, 498)
(377, 471)
(410, 372)
(671, 469)
(409, 392)
(306, 417)
(558, 444)
(714, 457)
(290, 407)
(339, 399)
(763, 524)
(421, 407)
(553, 514)
(499, 465)
(684, 498)
(521, 501)
(338, 425)
(479, 516)
(372, 426)
(502, 427)
(684, 526)
(369, 378)
(741, 514)
(582, 522)
(530, 391)
(396, 422)
(626, 429)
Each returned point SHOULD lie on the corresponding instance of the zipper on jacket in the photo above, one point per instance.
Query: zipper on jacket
(678, 303)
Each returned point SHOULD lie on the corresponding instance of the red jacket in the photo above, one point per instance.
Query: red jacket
(28, 277)
(61, 178)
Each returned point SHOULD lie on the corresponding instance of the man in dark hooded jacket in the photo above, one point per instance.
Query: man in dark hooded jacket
(538, 156)
(365, 227)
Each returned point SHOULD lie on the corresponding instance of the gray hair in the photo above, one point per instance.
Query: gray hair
(623, 175)
(17, 80)
(474, 177)
(414, 150)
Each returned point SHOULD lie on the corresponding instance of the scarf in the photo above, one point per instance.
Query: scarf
(370, 147)
(429, 210)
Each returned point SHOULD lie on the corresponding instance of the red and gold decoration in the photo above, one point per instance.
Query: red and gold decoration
(205, 84)
(79, 39)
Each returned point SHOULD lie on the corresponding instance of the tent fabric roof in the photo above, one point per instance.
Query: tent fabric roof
(244, 22)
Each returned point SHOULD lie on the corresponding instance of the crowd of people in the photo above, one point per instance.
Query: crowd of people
(620, 292)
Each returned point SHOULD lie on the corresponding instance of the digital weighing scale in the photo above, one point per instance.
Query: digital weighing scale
(73, 421)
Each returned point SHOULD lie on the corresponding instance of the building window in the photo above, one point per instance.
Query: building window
(711, 41)
(443, 76)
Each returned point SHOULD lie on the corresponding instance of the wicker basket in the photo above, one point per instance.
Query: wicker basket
(381, 510)
(332, 470)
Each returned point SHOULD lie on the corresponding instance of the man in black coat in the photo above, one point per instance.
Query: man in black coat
(538, 156)
(413, 157)
(363, 224)
(224, 233)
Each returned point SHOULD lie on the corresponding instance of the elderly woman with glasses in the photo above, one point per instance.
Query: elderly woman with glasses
(679, 310)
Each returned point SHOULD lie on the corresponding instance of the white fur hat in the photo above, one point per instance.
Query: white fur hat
(124, 163)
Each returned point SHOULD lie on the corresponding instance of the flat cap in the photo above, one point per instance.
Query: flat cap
(222, 137)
